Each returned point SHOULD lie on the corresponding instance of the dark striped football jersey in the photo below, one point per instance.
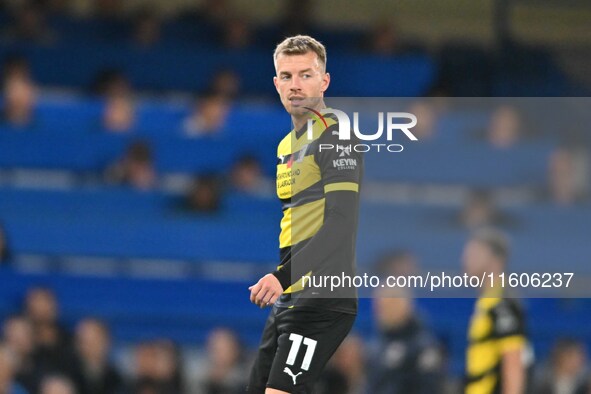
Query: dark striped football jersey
(497, 326)
(310, 165)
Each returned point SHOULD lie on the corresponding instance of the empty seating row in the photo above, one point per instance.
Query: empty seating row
(191, 70)
(127, 224)
(476, 165)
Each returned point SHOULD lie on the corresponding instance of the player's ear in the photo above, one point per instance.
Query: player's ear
(325, 82)
(275, 83)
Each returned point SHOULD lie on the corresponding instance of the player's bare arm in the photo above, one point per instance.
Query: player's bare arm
(513, 372)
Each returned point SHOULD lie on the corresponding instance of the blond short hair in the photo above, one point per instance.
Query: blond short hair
(299, 45)
(495, 240)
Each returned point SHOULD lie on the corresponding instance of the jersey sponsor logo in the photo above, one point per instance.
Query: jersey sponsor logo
(288, 174)
(286, 182)
(287, 178)
(293, 377)
(344, 164)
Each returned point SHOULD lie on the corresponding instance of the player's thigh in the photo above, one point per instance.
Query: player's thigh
(307, 340)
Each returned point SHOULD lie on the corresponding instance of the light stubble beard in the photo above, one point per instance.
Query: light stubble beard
(301, 114)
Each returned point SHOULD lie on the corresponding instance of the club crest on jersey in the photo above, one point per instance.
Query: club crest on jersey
(290, 162)
(345, 150)
(296, 157)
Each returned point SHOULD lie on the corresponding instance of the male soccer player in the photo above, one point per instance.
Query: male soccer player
(319, 192)
(498, 353)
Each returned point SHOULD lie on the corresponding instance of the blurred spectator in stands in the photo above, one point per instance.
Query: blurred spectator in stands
(29, 25)
(208, 116)
(144, 369)
(41, 307)
(567, 372)
(505, 128)
(211, 13)
(396, 263)
(111, 83)
(119, 110)
(226, 83)
(332, 380)
(135, 168)
(205, 194)
(296, 18)
(119, 114)
(4, 248)
(20, 93)
(18, 337)
(108, 9)
(247, 176)
(7, 371)
(481, 211)
(383, 39)
(94, 374)
(147, 28)
(237, 33)
(225, 368)
(57, 384)
(170, 364)
(53, 352)
(441, 92)
(349, 360)
(406, 358)
(426, 115)
(53, 7)
(16, 66)
(157, 369)
(568, 175)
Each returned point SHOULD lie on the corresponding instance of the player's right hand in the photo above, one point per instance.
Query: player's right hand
(266, 291)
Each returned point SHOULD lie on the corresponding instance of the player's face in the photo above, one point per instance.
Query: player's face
(477, 258)
(300, 81)
(391, 308)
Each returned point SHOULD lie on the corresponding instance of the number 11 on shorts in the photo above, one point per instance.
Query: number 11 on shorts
(296, 342)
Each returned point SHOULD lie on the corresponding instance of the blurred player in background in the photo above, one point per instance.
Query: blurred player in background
(407, 357)
(498, 354)
(306, 324)
(566, 371)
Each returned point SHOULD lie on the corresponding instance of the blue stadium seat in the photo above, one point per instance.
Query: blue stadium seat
(174, 68)
(478, 166)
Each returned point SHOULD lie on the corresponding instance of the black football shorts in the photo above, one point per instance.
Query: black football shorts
(295, 347)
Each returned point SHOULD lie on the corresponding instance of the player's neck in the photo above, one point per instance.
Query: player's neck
(300, 121)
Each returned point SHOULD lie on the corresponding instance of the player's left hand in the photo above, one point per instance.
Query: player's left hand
(266, 291)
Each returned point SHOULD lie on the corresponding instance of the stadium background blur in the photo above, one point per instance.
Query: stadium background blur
(137, 150)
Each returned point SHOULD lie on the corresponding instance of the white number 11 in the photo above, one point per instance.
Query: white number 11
(296, 340)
